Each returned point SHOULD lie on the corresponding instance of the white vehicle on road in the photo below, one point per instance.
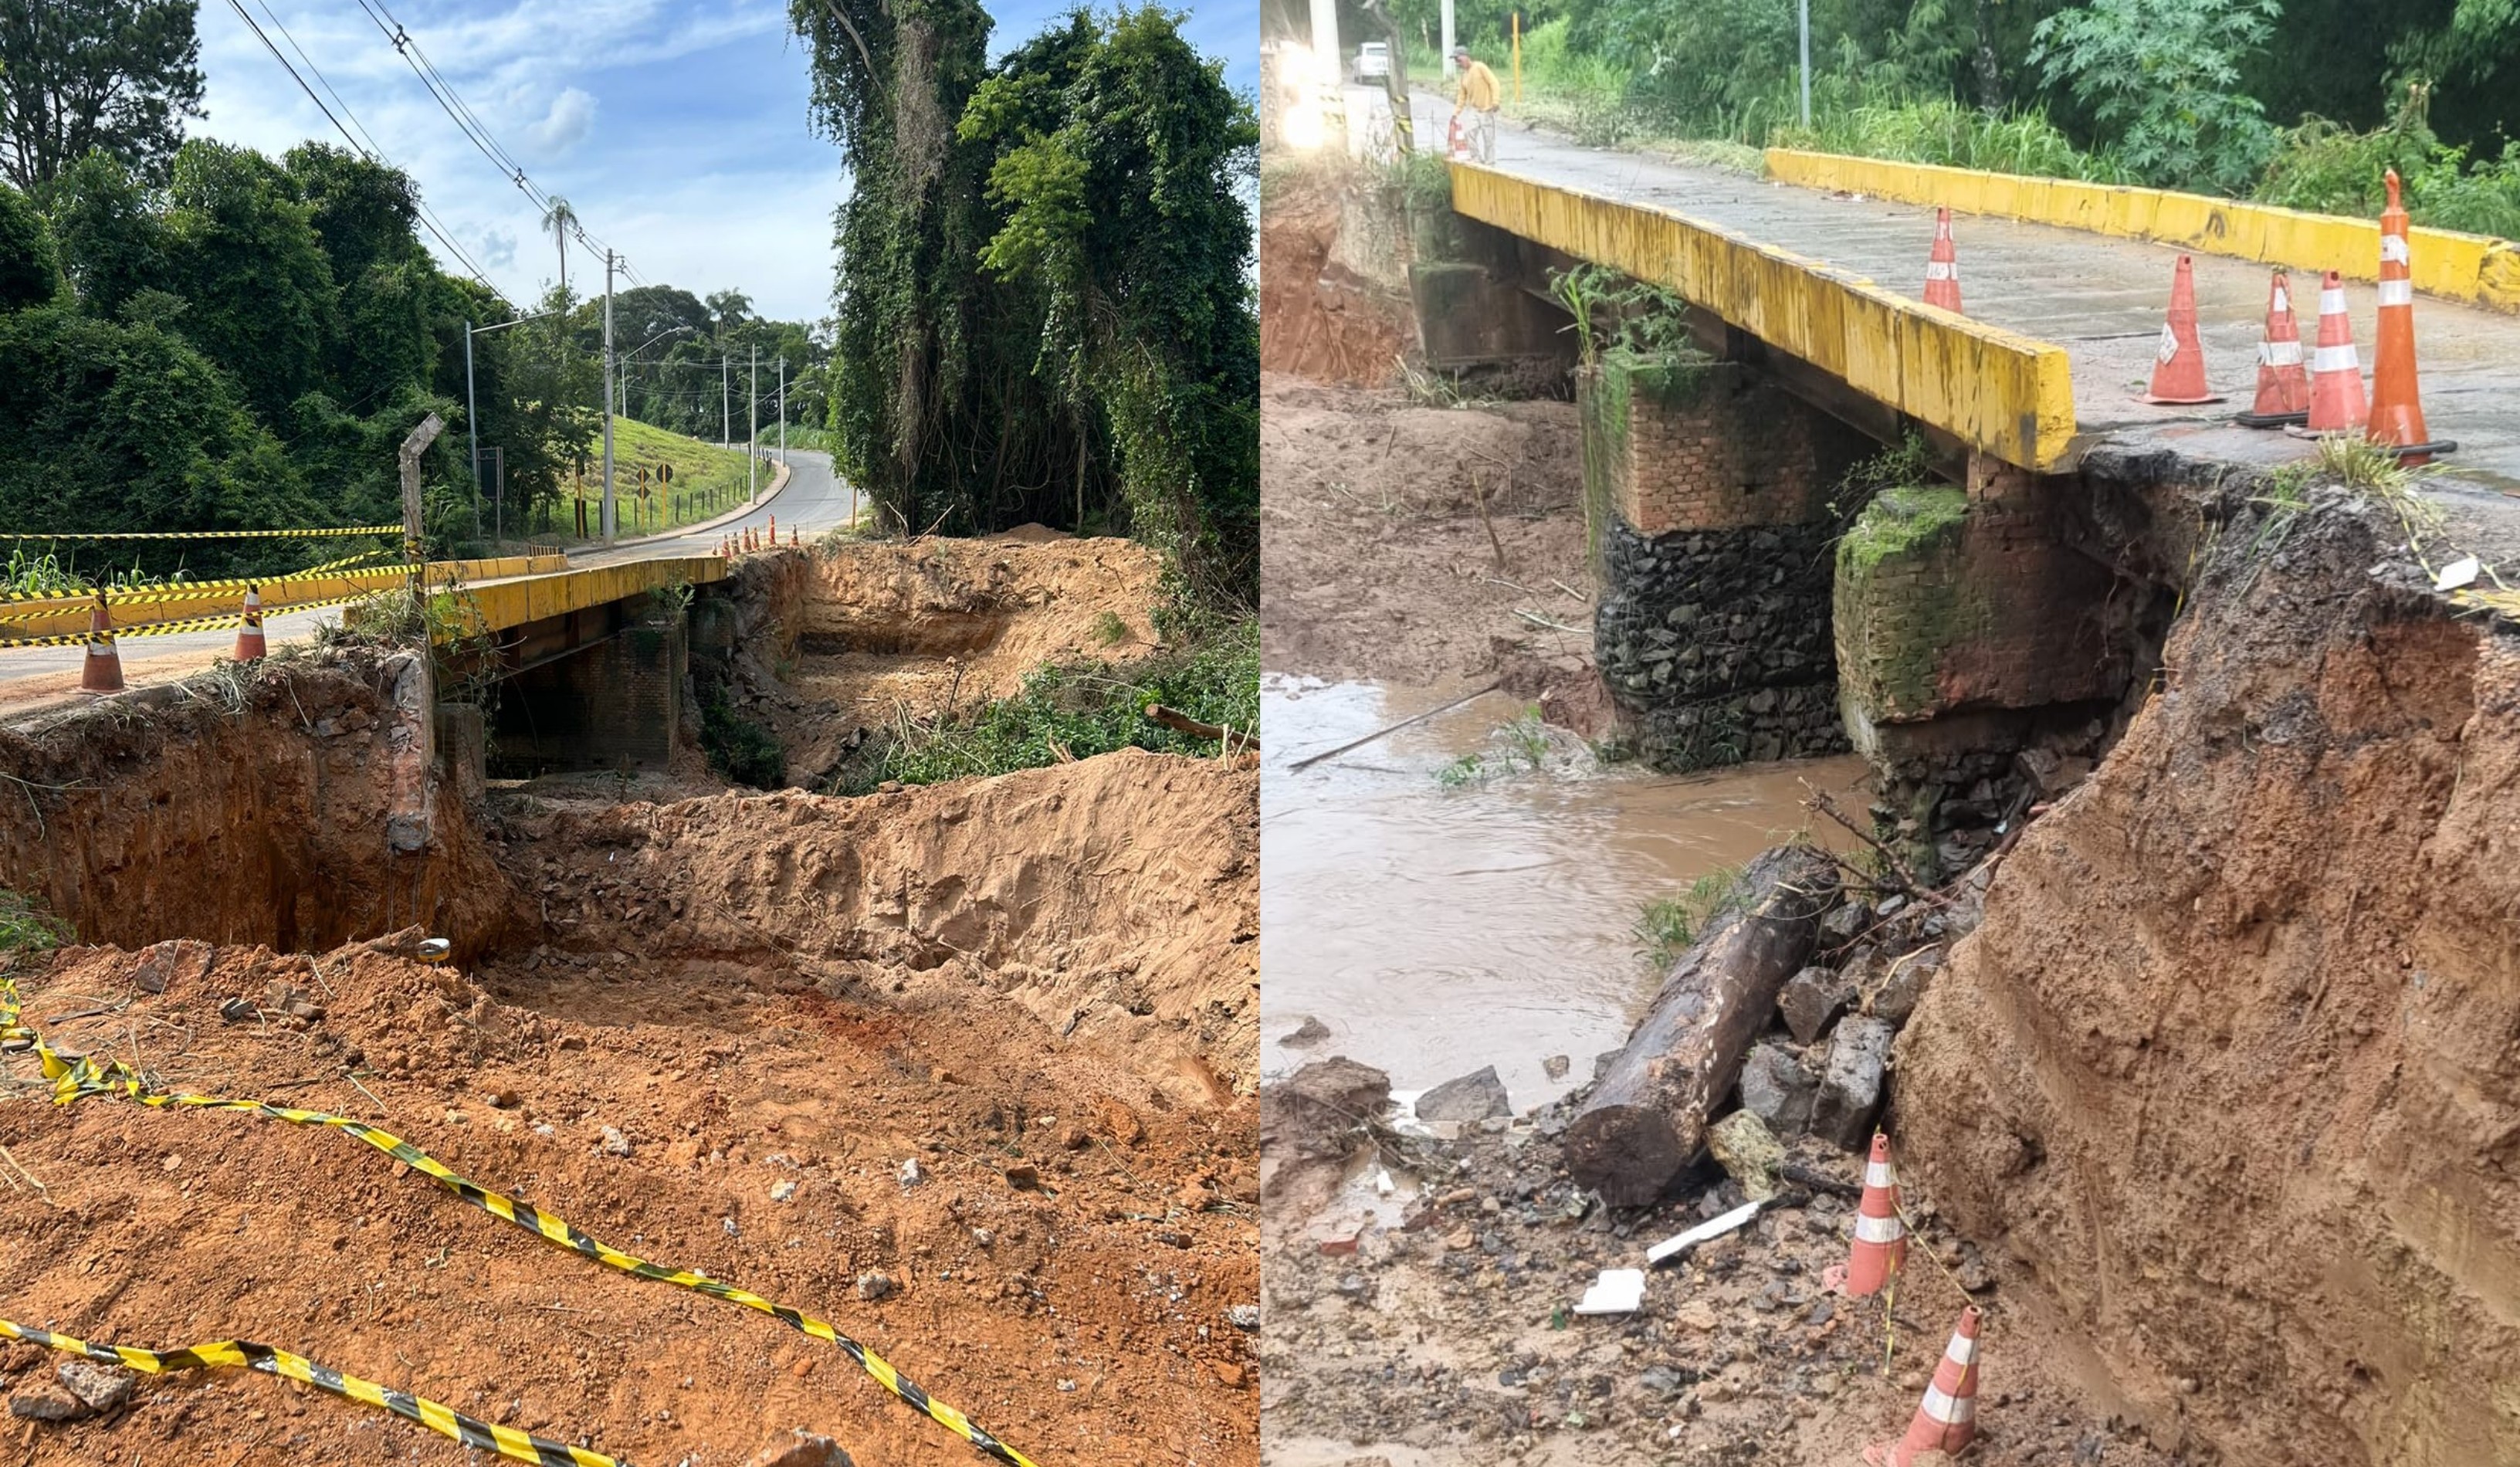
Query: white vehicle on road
(1373, 64)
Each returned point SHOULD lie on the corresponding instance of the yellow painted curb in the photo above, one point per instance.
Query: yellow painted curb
(2474, 268)
(2002, 392)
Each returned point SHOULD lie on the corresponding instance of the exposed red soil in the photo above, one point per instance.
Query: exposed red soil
(857, 637)
(2232, 1067)
(851, 985)
(1319, 318)
(246, 805)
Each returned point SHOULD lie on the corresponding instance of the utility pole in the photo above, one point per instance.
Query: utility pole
(472, 427)
(782, 411)
(608, 398)
(726, 399)
(1449, 69)
(1803, 27)
(752, 438)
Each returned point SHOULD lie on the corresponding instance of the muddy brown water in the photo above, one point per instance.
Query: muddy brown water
(1435, 930)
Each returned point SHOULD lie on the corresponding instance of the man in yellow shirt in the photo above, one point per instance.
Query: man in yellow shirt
(1480, 97)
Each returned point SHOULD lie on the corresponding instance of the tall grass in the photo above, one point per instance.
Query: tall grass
(1077, 710)
(1944, 132)
(2327, 168)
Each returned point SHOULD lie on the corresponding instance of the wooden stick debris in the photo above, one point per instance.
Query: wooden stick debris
(1309, 760)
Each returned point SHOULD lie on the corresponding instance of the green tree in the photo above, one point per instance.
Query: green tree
(1116, 156)
(78, 75)
(244, 253)
(560, 221)
(31, 269)
(111, 425)
(2160, 79)
(114, 241)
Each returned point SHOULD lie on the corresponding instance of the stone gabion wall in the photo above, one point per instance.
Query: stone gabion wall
(1717, 643)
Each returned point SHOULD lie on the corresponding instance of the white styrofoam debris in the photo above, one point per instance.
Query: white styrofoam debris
(1671, 1247)
(2460, 572)
(1618, 1291)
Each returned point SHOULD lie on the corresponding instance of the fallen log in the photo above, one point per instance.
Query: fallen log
(1181, 723)
(1646, 1119)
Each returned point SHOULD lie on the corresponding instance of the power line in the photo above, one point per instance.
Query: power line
(363, 150)
(476, 131)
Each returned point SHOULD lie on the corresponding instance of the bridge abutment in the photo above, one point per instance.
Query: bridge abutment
(1969, 628)
(1707, 504)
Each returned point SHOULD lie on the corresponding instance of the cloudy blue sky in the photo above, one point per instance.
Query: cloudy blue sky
(676, 130)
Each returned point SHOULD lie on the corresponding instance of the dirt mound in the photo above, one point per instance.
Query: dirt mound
(1067, 1267)
(1378, 562)
(1321, 317)
(1110, 903)
(2233, 1064)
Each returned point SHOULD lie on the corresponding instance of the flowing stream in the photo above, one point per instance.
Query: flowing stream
(1437, 928)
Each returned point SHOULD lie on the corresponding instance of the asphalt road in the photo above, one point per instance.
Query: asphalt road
(34, 680)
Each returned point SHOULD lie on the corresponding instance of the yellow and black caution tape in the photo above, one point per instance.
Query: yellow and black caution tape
(445, 1420)
(211, 623)
(335, 533)
(188, 590)
(74, 1079)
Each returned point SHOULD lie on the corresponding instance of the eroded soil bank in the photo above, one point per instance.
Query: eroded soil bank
(850, 640)
(2233, 1069)
(967, 1070)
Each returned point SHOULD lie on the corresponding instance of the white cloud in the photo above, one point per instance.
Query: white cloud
(570, 118)
(497, 248)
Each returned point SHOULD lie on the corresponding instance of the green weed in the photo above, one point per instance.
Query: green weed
(1667, 925)
(1075, 710)
(25, 927)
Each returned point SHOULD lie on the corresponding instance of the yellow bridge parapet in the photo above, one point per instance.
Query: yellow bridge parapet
(2475, 268)
(2003, 393)
(479, 608)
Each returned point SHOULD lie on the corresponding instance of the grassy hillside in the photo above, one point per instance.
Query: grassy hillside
(708, 480)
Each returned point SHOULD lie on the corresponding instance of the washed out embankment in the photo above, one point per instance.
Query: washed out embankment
(2229, 1069)
(848, 642)
(965, 1070)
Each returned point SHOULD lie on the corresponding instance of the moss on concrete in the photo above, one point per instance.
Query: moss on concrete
(1898, 599)
(1906, 521)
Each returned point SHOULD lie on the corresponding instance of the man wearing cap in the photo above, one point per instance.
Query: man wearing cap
(1480, 97)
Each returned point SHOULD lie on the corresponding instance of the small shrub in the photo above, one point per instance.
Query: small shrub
(740, 750)
(1110, 630)
(25, 927)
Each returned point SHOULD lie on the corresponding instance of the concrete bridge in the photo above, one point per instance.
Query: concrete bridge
(1990, 615)
(587, 657)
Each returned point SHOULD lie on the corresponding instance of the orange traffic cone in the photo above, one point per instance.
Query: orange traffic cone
(2397, 413)
(249, 644)
(1881, 1240)
(2336, 403)
(1946, 1420)
(2283, 387)
(796, 537)
(774, 532)
(1943, 267)
(102, 669)
(2179, 368)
